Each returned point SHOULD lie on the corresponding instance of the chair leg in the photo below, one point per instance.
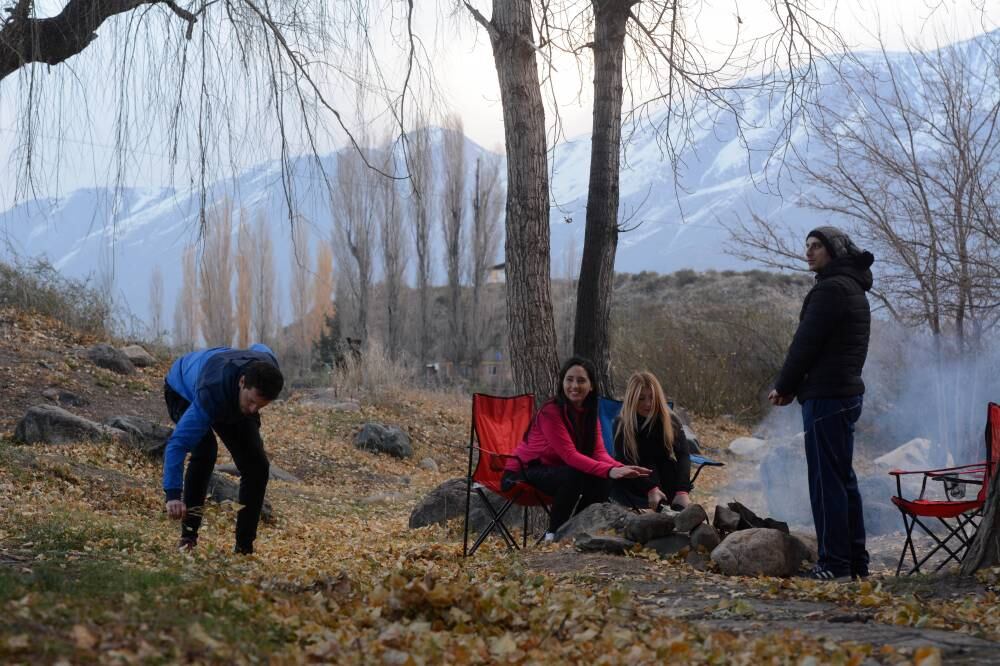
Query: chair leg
(524, 529)
(908, 526)
(496, 523)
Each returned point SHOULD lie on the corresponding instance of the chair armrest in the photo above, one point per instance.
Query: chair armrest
(898, 472)
(482, 451)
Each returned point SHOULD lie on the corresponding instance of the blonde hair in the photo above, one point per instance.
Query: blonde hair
(627, 423)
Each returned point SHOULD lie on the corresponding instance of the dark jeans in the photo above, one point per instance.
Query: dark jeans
(570, 489)
(243, 441)
(833, 487)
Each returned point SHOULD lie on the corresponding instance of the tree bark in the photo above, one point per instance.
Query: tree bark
(984, 551)
(526, 249)
(593, 301)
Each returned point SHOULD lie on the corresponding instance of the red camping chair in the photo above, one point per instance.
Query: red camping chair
(959, 517)
(498, 424)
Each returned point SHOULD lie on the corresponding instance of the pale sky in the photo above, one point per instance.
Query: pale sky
(465, 71)
(471, 84)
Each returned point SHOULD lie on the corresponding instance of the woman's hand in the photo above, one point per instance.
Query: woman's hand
(628, 472)
(654, 497)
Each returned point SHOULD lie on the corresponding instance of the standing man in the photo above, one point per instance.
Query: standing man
(823, 370)
(220, 390)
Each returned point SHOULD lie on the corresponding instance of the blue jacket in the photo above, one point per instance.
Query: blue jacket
(209, 380)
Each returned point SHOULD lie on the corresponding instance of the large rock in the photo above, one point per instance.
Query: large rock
(106, 356)
(705, 537)
(275, 473)
(139, 357)
(916, 454)
(602, 544)
(384, 439)
(222, 488)
(691, 517)
(669, 545)
(750, 448)
(48, 424)
(759, 552)
(726, 520)
(447, 501)
(146, 436)
(644, 527)
(602, 518)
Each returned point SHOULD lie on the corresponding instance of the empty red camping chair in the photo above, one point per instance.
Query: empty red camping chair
(959, 517)
(498, 425)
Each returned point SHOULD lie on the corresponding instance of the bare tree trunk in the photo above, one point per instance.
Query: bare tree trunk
(485, 243)
(593, 297)
(394, 255)
(265, 315)
(530, 323)
(156, 304)
(451, 223)
(421, 178)
(216, 279)
(984, 551)
(244, 282)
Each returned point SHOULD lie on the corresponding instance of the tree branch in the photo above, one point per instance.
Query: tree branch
(24, 40)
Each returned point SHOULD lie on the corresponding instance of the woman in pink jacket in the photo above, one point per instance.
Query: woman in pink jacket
(563, 453)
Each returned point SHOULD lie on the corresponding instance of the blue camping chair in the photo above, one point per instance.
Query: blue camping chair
(608, 409)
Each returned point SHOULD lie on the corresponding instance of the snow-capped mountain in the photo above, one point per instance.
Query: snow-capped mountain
(678, 218)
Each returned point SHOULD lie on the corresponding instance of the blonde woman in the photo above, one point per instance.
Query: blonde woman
(648, 434)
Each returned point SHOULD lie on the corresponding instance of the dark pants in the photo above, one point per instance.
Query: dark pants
(672, 476)
(570, 489)
(833, 487)
(243, 441)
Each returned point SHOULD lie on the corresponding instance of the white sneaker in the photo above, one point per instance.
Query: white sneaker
(549, 536)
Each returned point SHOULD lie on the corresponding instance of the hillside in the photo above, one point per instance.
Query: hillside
(89, 572)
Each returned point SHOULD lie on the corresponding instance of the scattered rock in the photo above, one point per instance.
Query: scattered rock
(705, 537)
(48, 424)
(222, 488)
(384, 439)
(690, 518)
(447, 501)
(106, 356)
(759, 552)
(275, 473)
(603, 518)
(429, 464)
(149, 437)
(64, 397)
(644, 527)
(750, 448)
(139, 357)
(917, 453)
(670, 544)
(602, 544)
(726, 520)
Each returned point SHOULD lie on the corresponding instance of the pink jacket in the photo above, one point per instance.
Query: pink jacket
(550, 443)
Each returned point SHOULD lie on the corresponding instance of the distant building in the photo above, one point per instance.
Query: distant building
(497, 274)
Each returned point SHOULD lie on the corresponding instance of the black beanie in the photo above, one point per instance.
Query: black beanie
(836, 242)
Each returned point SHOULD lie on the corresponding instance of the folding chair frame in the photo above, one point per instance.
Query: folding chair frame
(496, 514)
(956, 531)
(960, 519)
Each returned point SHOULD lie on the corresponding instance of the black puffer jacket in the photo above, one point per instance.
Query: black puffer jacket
(831, 343)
